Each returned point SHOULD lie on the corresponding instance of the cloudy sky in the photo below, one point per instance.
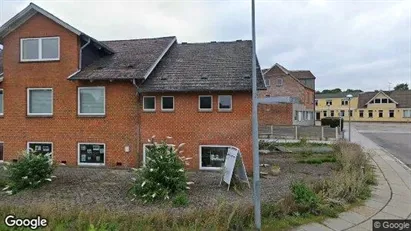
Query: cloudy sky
(346, 44)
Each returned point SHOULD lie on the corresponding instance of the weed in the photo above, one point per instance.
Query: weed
(180, 200)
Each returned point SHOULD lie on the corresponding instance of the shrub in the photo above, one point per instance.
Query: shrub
(304, 197)
(332, 122)
(180, 200)
(30, 171)
(163, 175)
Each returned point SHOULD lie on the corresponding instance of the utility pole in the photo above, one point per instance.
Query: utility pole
(256, 158)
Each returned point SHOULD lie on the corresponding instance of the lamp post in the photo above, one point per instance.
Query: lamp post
(256, 158)
(349, 96)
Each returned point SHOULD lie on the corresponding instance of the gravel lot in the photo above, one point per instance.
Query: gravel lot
(107, 188)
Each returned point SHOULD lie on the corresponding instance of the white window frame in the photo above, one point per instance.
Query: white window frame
(34, 142)
(40, 59)
(403, 113)
(79, 103)
(2, 160)
(225, 109)
(199, 104)
(90, 164)
(150, 110)
(2, 109)
(267, 82)
(201, 157)
(144, 151)
(28, 102)
(174, 105)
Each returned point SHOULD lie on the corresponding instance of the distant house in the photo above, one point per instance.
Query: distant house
(374, 106)
(289, 98)
(96, 103)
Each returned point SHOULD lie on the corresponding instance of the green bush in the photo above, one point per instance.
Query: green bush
(180, 200)
(30, 171)
(332, 122)
(304, 197)
(163, 175)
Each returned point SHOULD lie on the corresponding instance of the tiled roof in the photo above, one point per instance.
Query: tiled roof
(211, 66)
(133, 59)
(303, 74)
(336, 95)
(403, 98)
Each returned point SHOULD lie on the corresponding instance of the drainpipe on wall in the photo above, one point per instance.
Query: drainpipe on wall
(80, 58)
(138, 123)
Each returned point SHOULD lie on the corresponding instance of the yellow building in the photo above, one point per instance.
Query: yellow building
(377, 106)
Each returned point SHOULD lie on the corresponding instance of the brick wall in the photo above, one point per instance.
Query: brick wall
(187, 125)
(290, 87)
(65, 128)
(275, 114)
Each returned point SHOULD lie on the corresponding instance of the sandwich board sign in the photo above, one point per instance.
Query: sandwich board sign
(234, 154)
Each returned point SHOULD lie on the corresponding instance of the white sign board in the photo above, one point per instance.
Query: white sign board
(229, 167)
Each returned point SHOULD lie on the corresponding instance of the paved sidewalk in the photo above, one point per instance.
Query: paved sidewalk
(391, 199)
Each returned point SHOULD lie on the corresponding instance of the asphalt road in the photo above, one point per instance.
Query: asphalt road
(395, 138)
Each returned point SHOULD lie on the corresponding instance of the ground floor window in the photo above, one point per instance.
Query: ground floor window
(40, 148)
(407, 114)
(391, 113)
(369, 113)
(91, 154)
(1, 152)
(325, 113)
(380, 113)
(342, 113)
(332, 113)
(212, 156)
(361, 113)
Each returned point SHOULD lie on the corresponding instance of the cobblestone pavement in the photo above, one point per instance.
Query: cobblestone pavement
(391, 199)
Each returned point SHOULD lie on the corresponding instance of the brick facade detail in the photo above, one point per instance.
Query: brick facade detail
(65, 129)
(187, 125)
(275, 114)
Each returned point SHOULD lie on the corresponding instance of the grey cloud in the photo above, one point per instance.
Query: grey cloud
(346, 44)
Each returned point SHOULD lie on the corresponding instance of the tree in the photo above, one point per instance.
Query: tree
(401, 87)
(353, 90)
(336, 90)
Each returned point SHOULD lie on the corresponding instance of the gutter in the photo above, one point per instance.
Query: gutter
(80, 58)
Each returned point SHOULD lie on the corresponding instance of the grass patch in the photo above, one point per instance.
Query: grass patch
(308, 202)
(319, 159)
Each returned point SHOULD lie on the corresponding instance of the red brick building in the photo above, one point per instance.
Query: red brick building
(289, 97)
(96, 103)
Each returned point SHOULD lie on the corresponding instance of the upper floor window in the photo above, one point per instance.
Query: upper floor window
(205, 103)
(39, 101)
(91, 101)
(167, 103)
(329, 102)
(149, 103)
(280, 82)
(40, 49)
(225, 103)
(344, 102)
(1, 102)
(267, 82)
(316, 102)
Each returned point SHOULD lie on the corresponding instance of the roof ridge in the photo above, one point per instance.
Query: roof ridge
(213, 42)
(138, 39)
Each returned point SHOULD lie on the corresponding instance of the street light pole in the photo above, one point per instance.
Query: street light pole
(256, 158)
(349, 116)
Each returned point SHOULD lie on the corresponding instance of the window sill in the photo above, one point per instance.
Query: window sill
(40, 61)
(39, 116)
(205, 110)
(91, 116)
(91, 165)
(225, 111)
